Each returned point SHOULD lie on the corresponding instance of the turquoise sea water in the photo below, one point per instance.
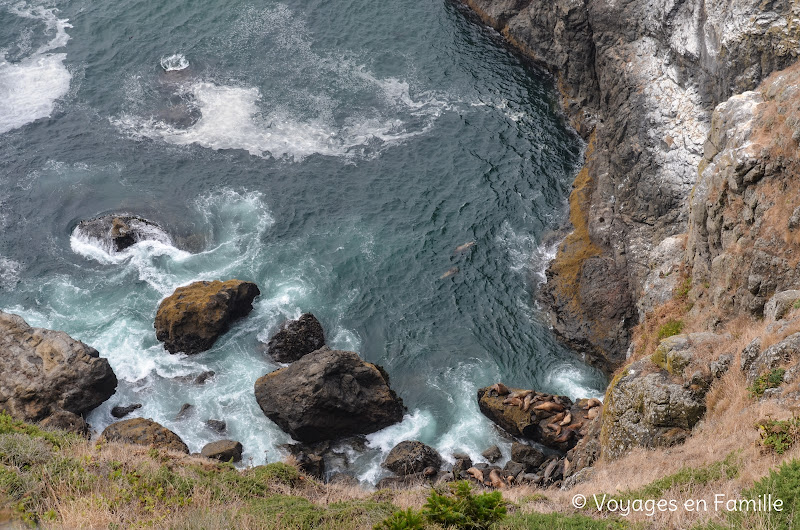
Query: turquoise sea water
(335, 153)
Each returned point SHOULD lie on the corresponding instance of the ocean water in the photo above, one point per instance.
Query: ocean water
(335, 153)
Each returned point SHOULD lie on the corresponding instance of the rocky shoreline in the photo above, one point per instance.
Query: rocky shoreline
(640, 82)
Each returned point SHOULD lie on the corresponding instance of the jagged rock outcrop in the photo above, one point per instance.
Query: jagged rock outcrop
(411, 456)
(116, 232)
(195, 316)
(296, 338)
(649, 406)
(44, 372)
(143, 431)
(553, 421)
(742, 243)
(121, 411)
(328, 394)
(643, 77)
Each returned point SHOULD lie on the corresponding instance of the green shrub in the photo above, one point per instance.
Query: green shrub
(22, 451)
(672, 327)
(779, 435)
(462, 509)
(403, 520)
(771, 379)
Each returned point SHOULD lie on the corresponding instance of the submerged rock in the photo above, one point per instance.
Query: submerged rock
(224, 450)
(195, 316)
(116, 232)
(43, 372)
(409, 457)
(217, 425)
(143, 431)
(328, 394)
(296, 338)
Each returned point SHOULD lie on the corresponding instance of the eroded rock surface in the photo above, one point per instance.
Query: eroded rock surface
(143, 431)
(410, 457)
(195, 316)
(328, 394)
(296, 338)
(44, 372)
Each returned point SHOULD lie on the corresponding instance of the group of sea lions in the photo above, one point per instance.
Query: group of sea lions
(559, 418)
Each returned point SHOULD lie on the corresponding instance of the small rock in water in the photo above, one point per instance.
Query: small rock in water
(296, 338)
(186, 411)
(120, 412)
(217, 425)
(198, 379)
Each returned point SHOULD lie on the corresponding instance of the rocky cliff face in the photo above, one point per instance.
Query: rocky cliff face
(640, 80)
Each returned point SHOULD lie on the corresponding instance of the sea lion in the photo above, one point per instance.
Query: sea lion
(475, 473)
(558, 417)
(521, 394)
(500, 389)
(567, 419)
(496, 480)
(450, 272)
(565, 436)
(549, 406)
(527, 402)
(555, 427)
(593, 402)
(593, 413)
(465, 246)
(513, 401)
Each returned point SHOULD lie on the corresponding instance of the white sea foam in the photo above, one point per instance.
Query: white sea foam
(30, 88)
(9, 273)
(234, 117)
(174, 63)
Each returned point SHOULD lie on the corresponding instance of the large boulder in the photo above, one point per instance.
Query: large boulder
(195, 316)
(116, 232)
(224, 450)
(43, 372)
(411, 456)
(296, 338)
(143, 431)
(553, 421)
(328, 394)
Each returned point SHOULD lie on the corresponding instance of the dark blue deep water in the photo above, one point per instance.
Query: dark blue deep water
(335, 153)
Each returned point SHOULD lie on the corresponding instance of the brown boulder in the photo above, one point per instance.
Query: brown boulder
(142, 431)
(410, 457)
(65, 421)
(328, 394)
(43, 372)
(296, 338)
(195, 316)
(224, 450)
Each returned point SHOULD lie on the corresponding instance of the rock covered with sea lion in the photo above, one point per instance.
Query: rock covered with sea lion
(553, 421)
(196, 315)
(45, 373)
(329, 394)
